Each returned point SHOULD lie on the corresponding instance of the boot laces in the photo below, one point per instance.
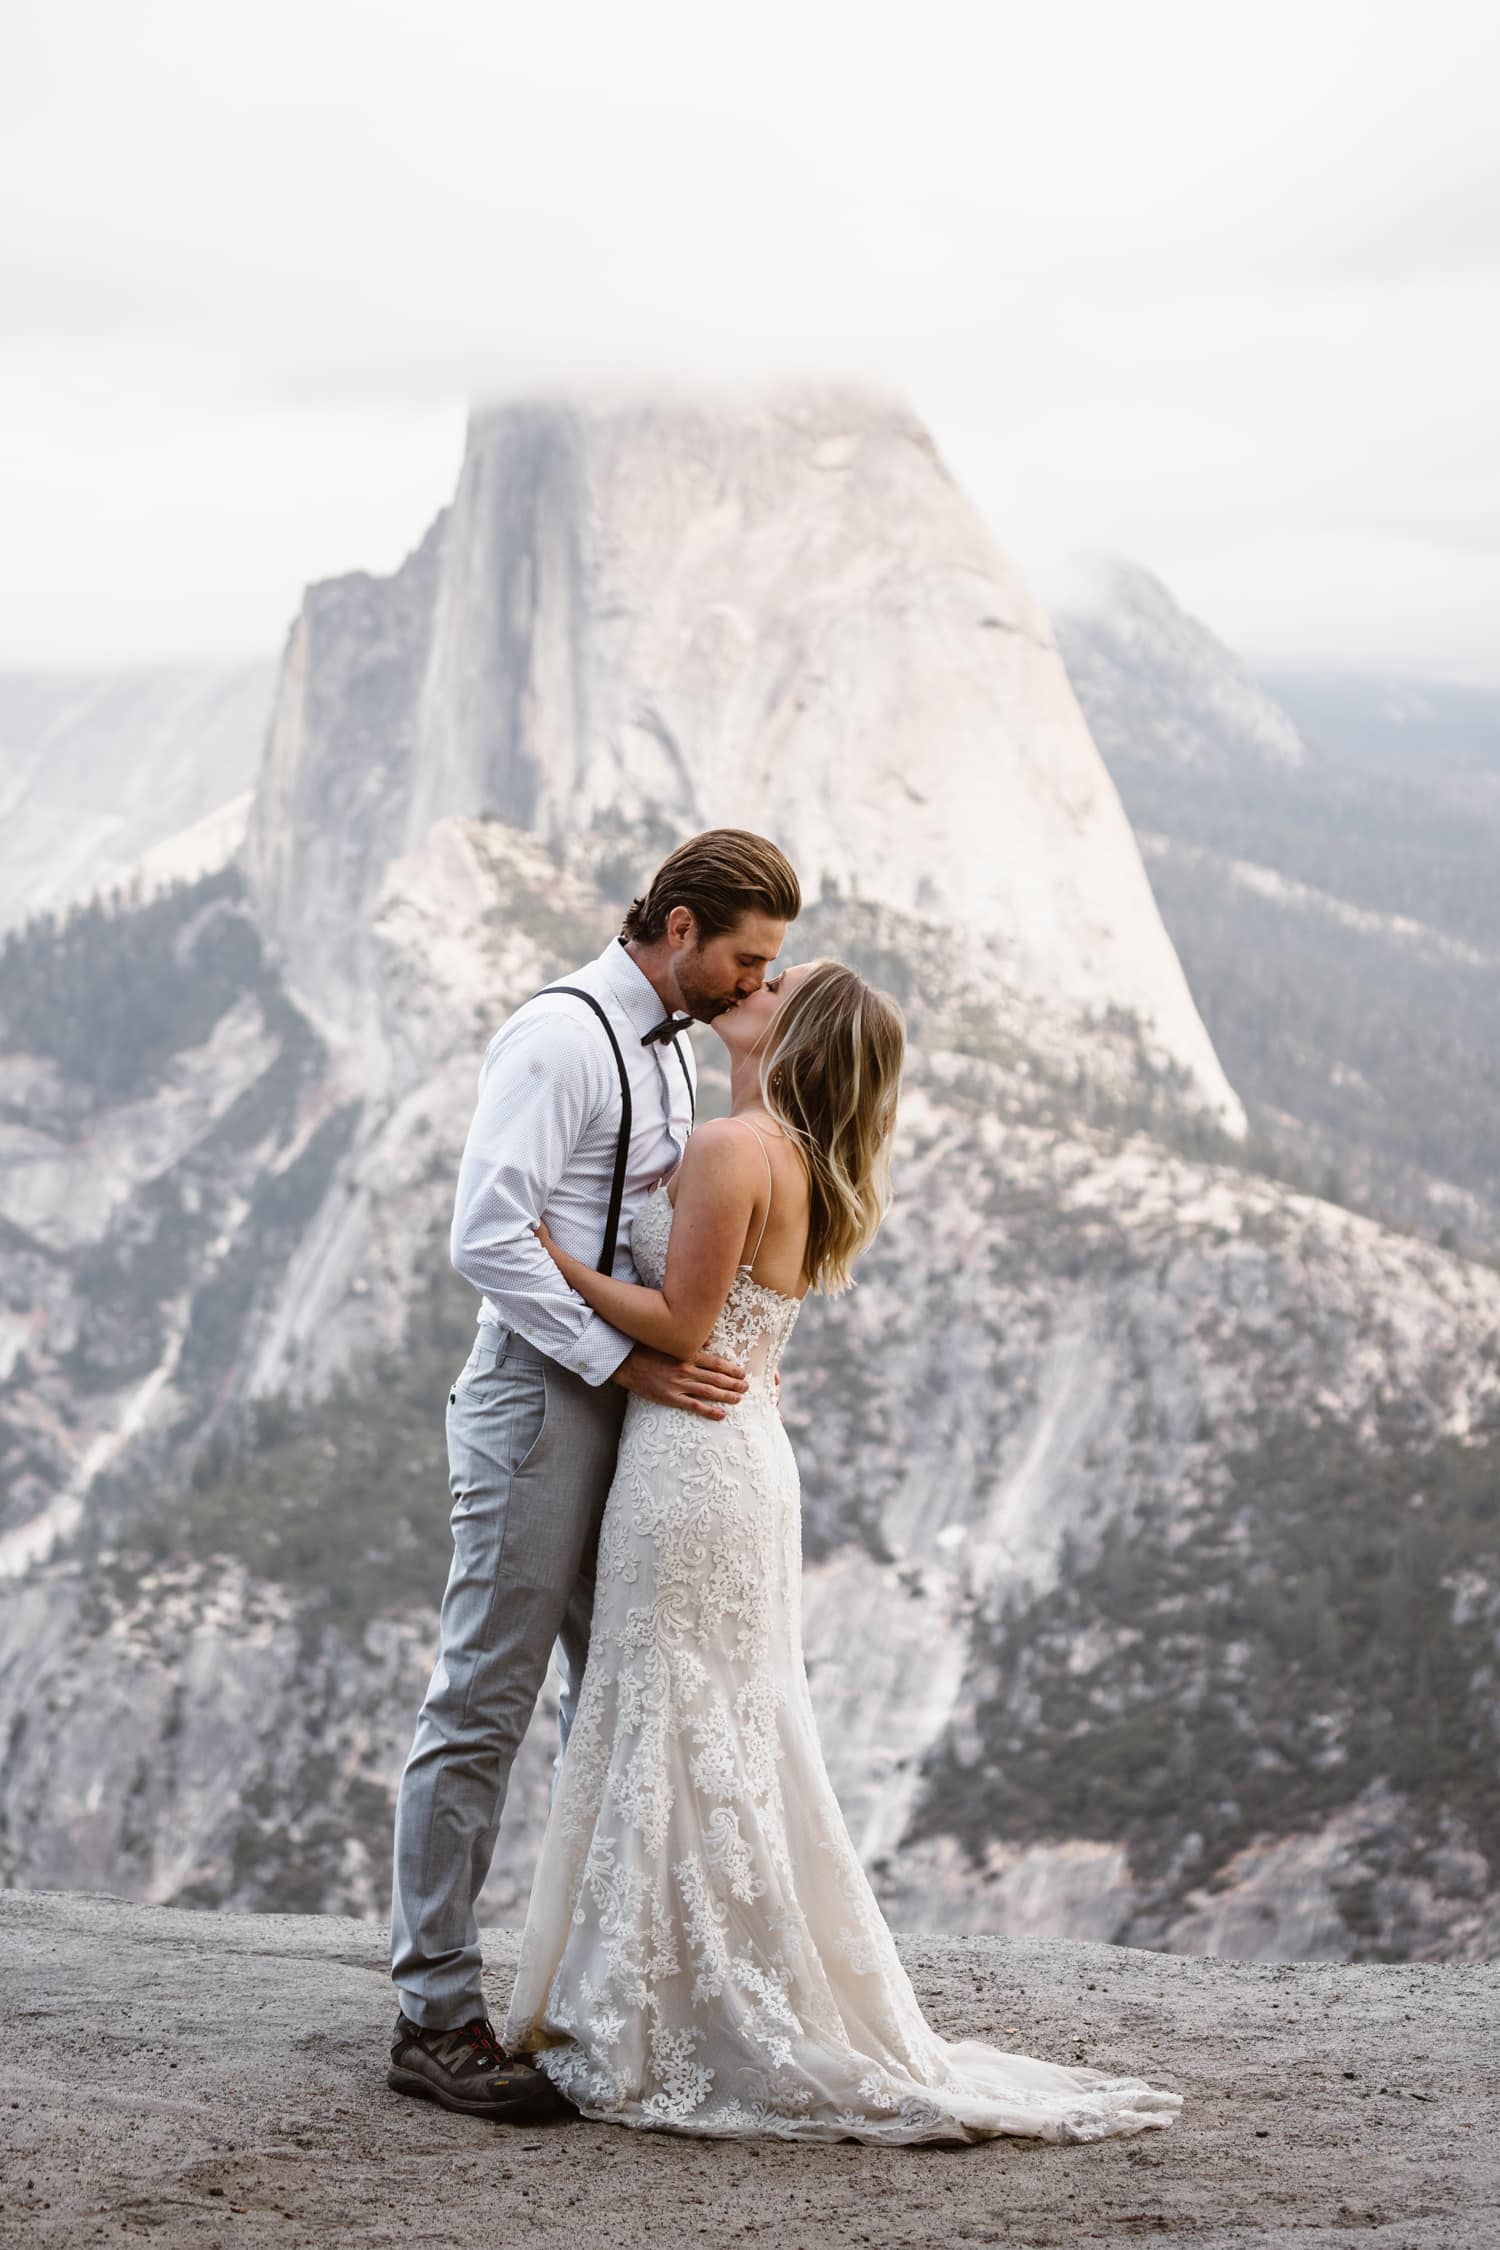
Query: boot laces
(480, 2033)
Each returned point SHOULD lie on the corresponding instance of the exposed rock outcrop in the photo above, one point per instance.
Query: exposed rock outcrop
(638, 621)
(1070, 1334)
(1146, 1517)
(202, 2078)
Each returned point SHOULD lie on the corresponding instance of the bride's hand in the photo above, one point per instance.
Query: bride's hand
(544, 1237)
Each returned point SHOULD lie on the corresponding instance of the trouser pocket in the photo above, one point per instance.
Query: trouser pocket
(497, 1412)
(487, 1355)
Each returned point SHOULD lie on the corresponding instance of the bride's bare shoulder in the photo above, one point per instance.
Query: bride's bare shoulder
(720, 1149)
(716, 1133)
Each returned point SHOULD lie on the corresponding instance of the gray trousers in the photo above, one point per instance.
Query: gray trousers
(531, 1455)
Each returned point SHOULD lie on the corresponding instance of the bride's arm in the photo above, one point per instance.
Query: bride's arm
(716, 1191)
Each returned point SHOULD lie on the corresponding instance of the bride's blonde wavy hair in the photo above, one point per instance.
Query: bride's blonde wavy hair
(830, 1077)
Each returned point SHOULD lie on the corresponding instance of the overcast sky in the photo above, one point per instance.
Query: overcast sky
(1215, 286)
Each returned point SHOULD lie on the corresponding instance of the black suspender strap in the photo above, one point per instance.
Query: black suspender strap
(622, 1146)
(687, 1081)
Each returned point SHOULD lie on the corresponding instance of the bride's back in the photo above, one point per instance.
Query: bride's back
(775, 1249)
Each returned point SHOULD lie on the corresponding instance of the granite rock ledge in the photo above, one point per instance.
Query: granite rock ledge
(193, 2078)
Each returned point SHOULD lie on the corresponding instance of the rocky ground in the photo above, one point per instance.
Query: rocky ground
(219, 2079)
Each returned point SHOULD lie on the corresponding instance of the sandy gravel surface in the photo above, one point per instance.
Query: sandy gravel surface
(219, 2079)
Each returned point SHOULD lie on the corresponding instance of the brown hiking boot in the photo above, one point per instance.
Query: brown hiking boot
(466, 2068)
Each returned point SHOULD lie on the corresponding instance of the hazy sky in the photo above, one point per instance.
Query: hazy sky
(1216, 286)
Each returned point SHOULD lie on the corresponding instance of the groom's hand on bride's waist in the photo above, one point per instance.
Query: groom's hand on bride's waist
(704, 1384)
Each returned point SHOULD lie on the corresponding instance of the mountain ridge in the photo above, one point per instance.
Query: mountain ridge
(634, 622)
(1109, 1366)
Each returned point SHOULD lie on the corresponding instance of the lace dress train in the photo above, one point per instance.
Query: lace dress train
(702, 1951)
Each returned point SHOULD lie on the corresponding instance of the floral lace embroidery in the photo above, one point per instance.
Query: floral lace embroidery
(703, 1952)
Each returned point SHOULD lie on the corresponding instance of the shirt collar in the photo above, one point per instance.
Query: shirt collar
(631, 986)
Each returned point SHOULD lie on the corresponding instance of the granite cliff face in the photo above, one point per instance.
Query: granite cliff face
(1088, 1634)
(1146, 1516)
(635, 622)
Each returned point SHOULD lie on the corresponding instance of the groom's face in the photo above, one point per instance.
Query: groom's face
(717, 973)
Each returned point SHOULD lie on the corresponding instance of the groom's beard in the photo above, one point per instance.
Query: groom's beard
(703, 1006)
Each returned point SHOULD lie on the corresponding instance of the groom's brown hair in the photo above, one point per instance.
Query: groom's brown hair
(722, 875)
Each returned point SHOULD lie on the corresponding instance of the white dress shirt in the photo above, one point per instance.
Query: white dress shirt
(543, 1143)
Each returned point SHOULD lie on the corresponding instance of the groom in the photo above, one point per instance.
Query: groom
(586, 1099)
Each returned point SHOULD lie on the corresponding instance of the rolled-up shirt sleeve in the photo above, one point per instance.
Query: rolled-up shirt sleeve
(538, 1091)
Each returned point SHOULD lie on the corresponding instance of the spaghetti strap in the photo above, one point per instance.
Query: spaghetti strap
(770, 1189)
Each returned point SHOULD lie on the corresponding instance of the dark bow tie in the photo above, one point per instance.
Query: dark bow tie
(668, 1028)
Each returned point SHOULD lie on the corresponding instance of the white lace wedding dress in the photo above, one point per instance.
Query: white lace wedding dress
(702, 1951)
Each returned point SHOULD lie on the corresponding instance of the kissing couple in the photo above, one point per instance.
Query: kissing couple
(702, 1952)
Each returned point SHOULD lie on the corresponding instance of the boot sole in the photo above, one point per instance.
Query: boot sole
(528, 2102)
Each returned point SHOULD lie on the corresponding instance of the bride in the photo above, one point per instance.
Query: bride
(702, 1952)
